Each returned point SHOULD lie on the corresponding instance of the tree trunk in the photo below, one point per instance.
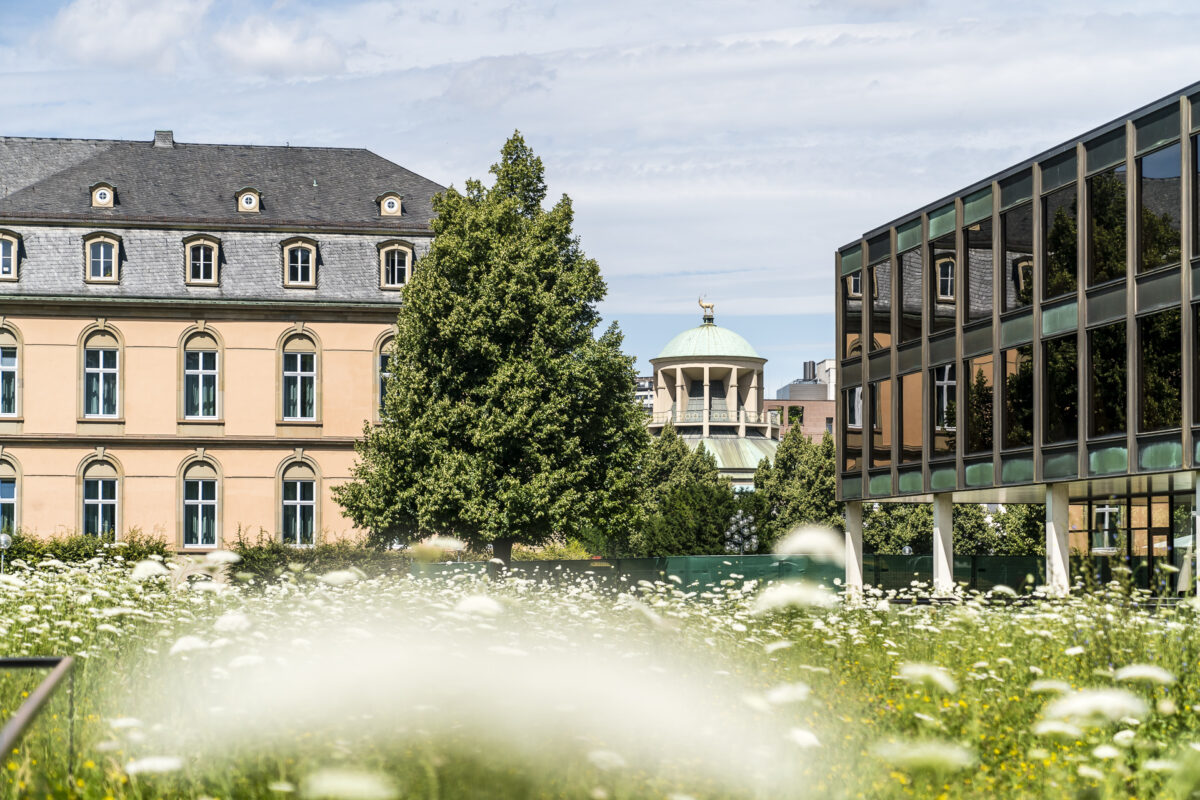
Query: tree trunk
(502, 549)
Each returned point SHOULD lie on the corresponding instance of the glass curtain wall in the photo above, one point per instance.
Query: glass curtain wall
(943, 387)
(852, 314)
(1159, 201)
(1106, 226)
(1060, 409)
(881, 306)
(979, 404)
(881, 423)
(977, 239)
(1018, 397)
(912, 268)
(1060, 241)
(1108, 371)
(1017, 234)
(944, 277)
(910, 418)
(1160, 403)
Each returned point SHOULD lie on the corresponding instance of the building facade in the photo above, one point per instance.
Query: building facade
(709, 387)
(1032, 339)
(192, 336)
(809, 402)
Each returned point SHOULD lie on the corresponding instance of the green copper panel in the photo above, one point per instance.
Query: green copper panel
(1060, 318)
(977, 340)
(1160, 455)
(979, 474)
(943, 478)
(1107, 458)
(1159, 291)
(1016, 189)
(1106, 305)
(941, 350)
(1157, 128)
(908, 236)
(910, 482)
(1016, 330)
(851, 373)
(880, 366)
(879, 248)
(1106, 150)
(977, 206)
(1061, 464)
(1058, 171)
(941, 221)
(852, 488)
(881, 485)
(851, 259)
(1016, 469)
(909, 358)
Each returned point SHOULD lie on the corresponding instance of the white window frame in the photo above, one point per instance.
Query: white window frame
(855, 289)
(194, 262)
(291, 249)
(96, 265)
(8, 258)
(299, 375)
(299, 504)
(385, 372)
(945, 389)
(9, 502)
(945, 283)
(100, 372)
(200, 374)
(854, 409)
(387, 270)
(99, 502)
(198, 505)
(10, 372)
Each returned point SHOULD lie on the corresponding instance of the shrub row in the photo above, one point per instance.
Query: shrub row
(266, 559)
(133, 546)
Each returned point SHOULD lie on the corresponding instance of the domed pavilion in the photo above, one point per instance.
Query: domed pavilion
(708, 383)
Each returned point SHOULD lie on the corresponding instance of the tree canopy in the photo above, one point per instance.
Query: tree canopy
(505, 419)
(801, 485)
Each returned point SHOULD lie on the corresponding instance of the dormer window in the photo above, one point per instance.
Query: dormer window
(395, 264)
(10, 248)
(300, 263)
(391, 204)
(102, 258)
(202, 254)
(249, 201)
(104, 195)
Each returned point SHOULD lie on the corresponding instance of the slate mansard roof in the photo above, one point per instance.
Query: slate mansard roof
(168, 191)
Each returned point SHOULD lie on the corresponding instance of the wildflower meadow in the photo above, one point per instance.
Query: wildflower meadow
(194, 682)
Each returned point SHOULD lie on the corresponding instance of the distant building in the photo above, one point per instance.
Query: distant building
(708, 383)
(643, 393)
(810, 402)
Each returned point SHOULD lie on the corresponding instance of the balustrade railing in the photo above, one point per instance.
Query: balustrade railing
(697, 416)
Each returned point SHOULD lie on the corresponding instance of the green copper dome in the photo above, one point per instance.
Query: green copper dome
(707, 340)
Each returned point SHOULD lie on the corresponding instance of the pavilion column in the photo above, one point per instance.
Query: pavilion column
(731, 392)
(680, 397)
(707, 401)
(854, 547)
(943, 543)
(660, 392)
(752, 403)
(1058, 565)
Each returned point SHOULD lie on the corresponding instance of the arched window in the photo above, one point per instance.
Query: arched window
(201, 376)
(101, 484)
(300, 263)
(101, 253)
(101, 374)
(200, 518)
(202, 257)
(10, 477)
(10, 373)
(383, 359)
(10, 251)
(395, 264)
(299, 395)
(299, 509)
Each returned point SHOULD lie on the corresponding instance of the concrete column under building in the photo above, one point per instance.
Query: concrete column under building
(680, 397)
(1058, 565)
(943, 543)
(854, 551)
(731, 393)
(707, 401)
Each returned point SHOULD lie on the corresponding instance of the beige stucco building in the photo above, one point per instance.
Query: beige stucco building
(192, 336)
(709, 386)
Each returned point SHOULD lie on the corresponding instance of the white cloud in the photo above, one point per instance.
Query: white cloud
(126, 33)
(262, 48)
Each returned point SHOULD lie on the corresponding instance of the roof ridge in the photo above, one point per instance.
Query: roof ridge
(177, 143)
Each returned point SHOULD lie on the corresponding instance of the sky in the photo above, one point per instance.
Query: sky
(711, 148)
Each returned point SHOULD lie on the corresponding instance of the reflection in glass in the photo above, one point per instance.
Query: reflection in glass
(1158, 192)
(852, 410)
(978, 242)
(852, 314)
(911, 269)
(881, 306)
(881, 423)
(1017, 229)
(1061, 245)
(1106, 226)
(1107, 367)
(910, 418)
(942, 290)
(979, 404)
(1018, 396)
(1160, 349)
(1061, 410)
(944, 387)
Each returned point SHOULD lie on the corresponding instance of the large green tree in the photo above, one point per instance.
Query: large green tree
(505, 419)
(800, 486)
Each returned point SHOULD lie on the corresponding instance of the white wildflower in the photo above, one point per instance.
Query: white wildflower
(1085, 771)
(772, 647)
(1049, 687)
(1057, 730)
(816, 541)
(154, 764)
(214, 557)
(1124, 738)
(232, 622)
(1105, 752)
(1144, 673)
(927, 756)
(1160, 765)
(803, 738)
(1073, 651)
(787, 693)
(186, 644)
(479, 605)
(1096, 707)
(793, 594)
(339, 577)
(929, 675)
(144, 570)
(348, 784)
(281, 786)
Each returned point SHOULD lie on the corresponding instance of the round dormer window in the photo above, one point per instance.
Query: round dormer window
(391, 204)
(248, 200)
(102, 196)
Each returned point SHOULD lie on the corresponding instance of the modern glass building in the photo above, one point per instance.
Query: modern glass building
(1032, 339)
